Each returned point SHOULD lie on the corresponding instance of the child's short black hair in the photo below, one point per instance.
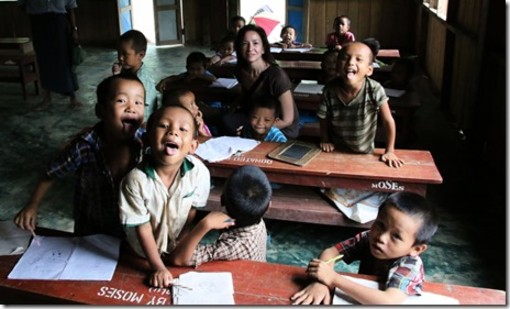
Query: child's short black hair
(172, 97)
(227, 39)
(338, 19)
(374, 45)
(415, 206)
(105, 91)
(151, 122)
(196, 57)
(287, 27)
(139, 41)
(235, 19)
(265, 101)
(246, 195)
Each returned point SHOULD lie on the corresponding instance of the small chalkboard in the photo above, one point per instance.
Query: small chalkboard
(295, 152)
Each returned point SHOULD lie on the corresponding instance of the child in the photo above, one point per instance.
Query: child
(328, 66)
(186, 98)
(131, 51)
(235, 24)
(374, 46)
(350, 105)
(390, 250)
(288, 35)
(262, 116)
(225, 52)
(247, 237)
(100, 157)
(341, 35)
(401, 74)
(196, 72)
(157, 198)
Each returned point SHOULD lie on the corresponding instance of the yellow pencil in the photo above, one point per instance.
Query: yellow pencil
(335, 258)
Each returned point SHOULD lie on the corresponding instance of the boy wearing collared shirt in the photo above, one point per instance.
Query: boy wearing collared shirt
(158, 197)
(246, 196)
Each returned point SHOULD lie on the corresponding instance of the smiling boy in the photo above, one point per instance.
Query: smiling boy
(100, 157)
(158, 197)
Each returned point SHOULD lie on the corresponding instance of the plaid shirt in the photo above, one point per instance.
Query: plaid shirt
(405, 273)
(96, 207)
(244, 243)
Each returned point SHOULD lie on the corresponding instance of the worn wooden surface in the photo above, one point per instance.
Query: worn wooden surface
(255, 283)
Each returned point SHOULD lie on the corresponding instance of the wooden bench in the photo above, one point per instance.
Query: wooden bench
(255, 283)
(20, 68)
(328, 170)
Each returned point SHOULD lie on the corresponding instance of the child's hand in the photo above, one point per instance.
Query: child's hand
(327, 147)
(26, 219)
(321, 271)
(392, 160)
(315, 293)
(217, 220)
(239, 130)
(116, 68)
(161, 278)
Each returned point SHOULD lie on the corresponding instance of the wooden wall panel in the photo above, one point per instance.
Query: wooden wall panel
(434, 58)
(98, 23)
(391, 22)
(14, 22)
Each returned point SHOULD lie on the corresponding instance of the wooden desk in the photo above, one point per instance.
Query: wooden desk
(315, 54)
(341, 170)
(26, 71)
(255, 283)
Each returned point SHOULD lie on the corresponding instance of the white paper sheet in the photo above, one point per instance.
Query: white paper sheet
(222, 82)
(309, 88)
(221, 148)
(214, 288)
(13, 240)
(297, 49)
(395, 93)
(92, 257)
(426, 298)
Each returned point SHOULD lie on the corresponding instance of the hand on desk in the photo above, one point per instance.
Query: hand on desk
(26, 219)
(392, 160)
(327, 147)
(161, 278)
(322, 271)
(315, 293)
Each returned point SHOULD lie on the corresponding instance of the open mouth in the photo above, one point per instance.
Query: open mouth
(171, 148)
(350, 73)
(130, 123)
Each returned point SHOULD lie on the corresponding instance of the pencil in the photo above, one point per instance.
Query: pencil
(335, 258)
(36, 240)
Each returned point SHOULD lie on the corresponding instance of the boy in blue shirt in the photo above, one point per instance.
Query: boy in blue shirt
(262, 116)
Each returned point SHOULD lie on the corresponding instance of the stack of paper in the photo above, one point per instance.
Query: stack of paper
(396, 93)
(426, 298)
(221, 148)
(14, 240)
(196, 288)
(223, 82)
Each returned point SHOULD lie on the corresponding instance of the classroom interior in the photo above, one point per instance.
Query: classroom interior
(462, 121)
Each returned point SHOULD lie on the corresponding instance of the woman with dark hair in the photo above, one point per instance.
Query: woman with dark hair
(258, 75)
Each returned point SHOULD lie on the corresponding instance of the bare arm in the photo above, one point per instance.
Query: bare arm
(72, 21)
(161, 276)
(326, 274)
(182, 254)
(26, 218)
(326, 144)
(287, 106)
(388, 123)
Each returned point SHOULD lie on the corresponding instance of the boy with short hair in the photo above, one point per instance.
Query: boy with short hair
(132, 48)
(390, 250)
(157, 198)
(246, 197)
(341, 35)
(328, 66)
(350, 106)
(196, 73)
(288, 36)
(225, 52)
(100, 157)
(262, 116)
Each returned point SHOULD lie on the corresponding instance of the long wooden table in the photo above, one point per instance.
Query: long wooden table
(316, 54)
(255, 283)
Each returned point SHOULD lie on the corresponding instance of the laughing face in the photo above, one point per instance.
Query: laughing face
(354, 63)
(172, 135)
(252, 47)
(393, 234)
(261, 121)
(123, 114)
